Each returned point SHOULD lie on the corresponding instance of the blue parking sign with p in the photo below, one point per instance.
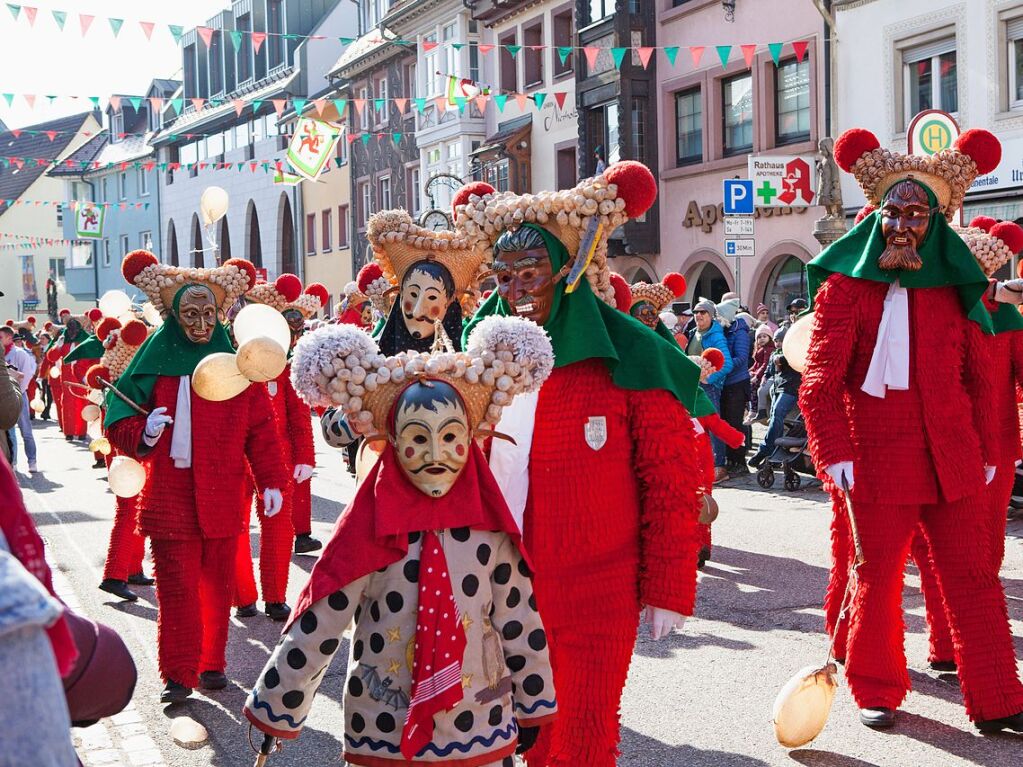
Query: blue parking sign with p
(738, 197)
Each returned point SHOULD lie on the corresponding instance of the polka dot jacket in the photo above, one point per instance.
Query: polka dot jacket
(506, 674)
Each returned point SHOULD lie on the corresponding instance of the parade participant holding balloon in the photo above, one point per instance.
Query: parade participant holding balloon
(77, 331)
(196, 451)
(73, 368)
(427, 555)
(877, 366)
(605, 475)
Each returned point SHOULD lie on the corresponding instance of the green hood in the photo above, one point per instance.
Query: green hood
(89, 349)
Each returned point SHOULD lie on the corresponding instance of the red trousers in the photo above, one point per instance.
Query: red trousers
(276, 541)
(194, 585)
(127, 547)
(57, 392)
(70, 409)
(302, 506)
(966, 572)
(590, 665)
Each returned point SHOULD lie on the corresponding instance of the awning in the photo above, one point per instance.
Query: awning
(508, 134)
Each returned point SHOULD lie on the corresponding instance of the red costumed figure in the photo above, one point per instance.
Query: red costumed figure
(54, 354)
(877, 366)
(190, 505)
(355, 307)
(127, 547)
(69, 382)
(606, 474)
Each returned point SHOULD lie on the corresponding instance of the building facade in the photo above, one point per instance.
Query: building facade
(965, 58)
(712, 118)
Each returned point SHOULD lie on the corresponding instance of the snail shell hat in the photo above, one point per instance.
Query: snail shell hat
(582, 218)
(286, 293)
(372, 284)
(948, 173)
(993, 243)
(659, 294)
(120, 342)
(160, 282)
(341, 366)
(398, 243)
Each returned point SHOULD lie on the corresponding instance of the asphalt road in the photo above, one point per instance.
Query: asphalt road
(701, 698)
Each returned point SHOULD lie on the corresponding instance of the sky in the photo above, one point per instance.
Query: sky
(42, 59)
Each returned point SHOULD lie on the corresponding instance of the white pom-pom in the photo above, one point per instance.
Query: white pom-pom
(529, 343)
(315, 354)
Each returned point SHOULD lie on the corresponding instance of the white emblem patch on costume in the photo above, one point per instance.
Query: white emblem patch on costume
(272, 388)
(596, 431)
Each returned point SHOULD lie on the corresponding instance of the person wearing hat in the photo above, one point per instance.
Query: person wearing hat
(760, 374)
(707, 334)
(77, 331)
(605, 472)
(784, 383)
(22, 366)
(735, 390)
(764, 318)
(196, 453)
(795, 307)
(451, 660)
(897, 417)
(74, 366)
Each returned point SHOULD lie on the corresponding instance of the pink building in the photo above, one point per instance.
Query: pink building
(711, 119)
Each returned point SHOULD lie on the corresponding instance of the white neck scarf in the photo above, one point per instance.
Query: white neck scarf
(181, 430)
(889, 365)
(509, 462)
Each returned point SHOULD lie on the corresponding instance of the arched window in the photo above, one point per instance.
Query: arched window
(172, 244)
(196, 254)
(287, 230)
(253, 248)
(709, 283)
(786, 283)
(641, 275)
(223, 241)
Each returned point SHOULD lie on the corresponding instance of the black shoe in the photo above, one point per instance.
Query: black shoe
(305, 543)
(100, 464)
(1014, 723)
(277, 611)
(947, 666)
(140, 579)
(758, 459)
(213, 680)
(69, 438)
(877, 718)
(703, 557)
(246, 611)
(118, 589)
(175, 693)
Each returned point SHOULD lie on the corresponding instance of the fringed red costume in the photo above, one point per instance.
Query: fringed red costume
(192, 517)
(931, 476)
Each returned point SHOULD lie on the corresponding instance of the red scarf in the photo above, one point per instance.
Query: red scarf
(27, 547)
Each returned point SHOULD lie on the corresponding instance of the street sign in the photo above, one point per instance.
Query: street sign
(740, 248)
(930, 132)
(783, 181)
(738, 197)
(739, 226)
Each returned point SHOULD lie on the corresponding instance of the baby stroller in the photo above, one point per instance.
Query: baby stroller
(791, 455)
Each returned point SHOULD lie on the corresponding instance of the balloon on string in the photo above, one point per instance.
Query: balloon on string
(114, 303)
(101, 446)
(261, 320)
(94, 429)
(127, 317)
(216, 378)
(796, 344)
(37, 405)
(213, 204)
(152, 316)
(126, 476)
(55, 371)
(261, 359)
(803, 705)
(96, 397)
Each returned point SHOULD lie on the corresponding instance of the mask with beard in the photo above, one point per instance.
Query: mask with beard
(905, 219)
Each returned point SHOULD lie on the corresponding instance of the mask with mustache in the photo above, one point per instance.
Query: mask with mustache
(431, 436)
(426, 292)
(905, 219)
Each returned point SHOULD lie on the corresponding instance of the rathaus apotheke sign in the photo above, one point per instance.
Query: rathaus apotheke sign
(708, 216)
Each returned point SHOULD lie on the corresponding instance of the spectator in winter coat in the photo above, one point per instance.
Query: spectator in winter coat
(10, 409)
(760, 386)
(784, 394)
(709, 335)
(735, 392)
(764, 318)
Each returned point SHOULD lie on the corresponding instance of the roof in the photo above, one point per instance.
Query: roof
(371, 42)
(100, 149)
(13, 180)
(164, 86)
(86, 153)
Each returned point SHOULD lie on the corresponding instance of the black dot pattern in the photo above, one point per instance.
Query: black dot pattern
(537, 639)
(465, 721)
(355, 687)
(385, 723)
(374, 612)
(328, 646)
(296, 659)
(470, 585)
(308, 623)
(483, 554)
(358, 723)
(516, 662)
(271, 679)
(357, 649)
(395, 601)
(376, 643)
(460, 534)
(514, 598)
(502, 574)
(411, 571)
(523, 568)
(293, 699)
(496, 716)
(533, 684)
(511, 630)
(338, 601)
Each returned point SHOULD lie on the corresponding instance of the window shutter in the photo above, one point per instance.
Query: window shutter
(929, 50)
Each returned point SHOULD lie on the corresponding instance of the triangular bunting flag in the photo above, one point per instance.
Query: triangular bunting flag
(136, 102)
(339, 105)
(236, 39)
(591, 52)
(485, 49)
(51, 134)
(379, 104)
(420, 104)
(500, 99)
(115, 26)
(85, 21)
(396, 137)
(442, 103)
(197, 103)
(257, 40)
(239, 105)
(644, 54)
(156, 103)
(748, 52)
(513, 49)
(279, 105)
(521, 99)
(429, 45)
(775, 49)
(60, 17)
(458, 46)
(401, 104)
(671, 53)
(564, 51)
(460, 103)
(360, 104)
(206, 34)
(30, 14)
(723, 53)
(177, 104)
(299, 105)
(31, 100)
(559, 99)
(15, 10)
(9, 98)
(147, 28)
(319, 105)
(176, 32)
(538, 99)
(256, 104)
(618, 54)
(365, 139)
(800, 47)
(696, 53)
(481, 103)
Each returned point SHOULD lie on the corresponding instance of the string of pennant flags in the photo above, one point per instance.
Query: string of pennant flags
(31, 240)
(73, 204)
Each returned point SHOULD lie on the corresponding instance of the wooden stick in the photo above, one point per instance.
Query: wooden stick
(123, 398)
(853, 527)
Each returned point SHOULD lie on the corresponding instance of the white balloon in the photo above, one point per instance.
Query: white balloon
(261, 359)
(796, 345)
(95, 396)
(127, 477)
(37, 405)
(90, 413)
(94, 429)
(213, 204)
(151, 314)
(669, 319)
(127, 317)
(55, 371)
(114, 303)
(261, 320)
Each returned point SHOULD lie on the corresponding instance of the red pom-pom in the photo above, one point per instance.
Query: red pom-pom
(66, 312)
(478, 188)
(94, 373)
(369, 274)
(94, 315)
(865, 211)
(486, 294)
(54, 354)
(48, 326)
(134, 333)
(31, 319)
(852, 145)
(715, 357)
(982, 147)
(289, 286)
(106, 326)
(676, 283)
(623, 294)
(636, 185)
(983, 222)
(1010, 233)
(244, 266)
(9, 323)
(135, 262)
(319, 290)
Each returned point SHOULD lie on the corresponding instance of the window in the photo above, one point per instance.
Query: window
(60, 215)
(125, 245)
(410, 82)
(57, 268)
(600, 9)
(342, 147)
(509, 81)
(216, 63)
(364, 117)
(116, 126)
(688, 127)
(450, 57)
(106, 252)
(143, 181)
(562, 39)
(604, 131)
(373, 11)
(474, 61)
(146, 240)
(326, 229)
(497, 175)
(566, 168)
(786, 283)
(365, 203)
(275, 32)
(1014, 34)
(534, 49)
(342, 226)
(384, 193)
(190, 73)
(243, 57)
(382, 109)
(103, 193)
(431, 64)
(737, 105)
(415, 191)
(310, 234)
(930, 78)
(792, 102)
(638, 124)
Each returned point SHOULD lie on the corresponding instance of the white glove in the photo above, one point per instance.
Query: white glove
(273, 500)
(989, 474)
(663, 622)
(302, 472)
(843, 470)
(156, 422)
(1009, 292)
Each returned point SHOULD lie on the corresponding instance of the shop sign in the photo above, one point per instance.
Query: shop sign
(781, 181)
(1009, 172)
(707, 216)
